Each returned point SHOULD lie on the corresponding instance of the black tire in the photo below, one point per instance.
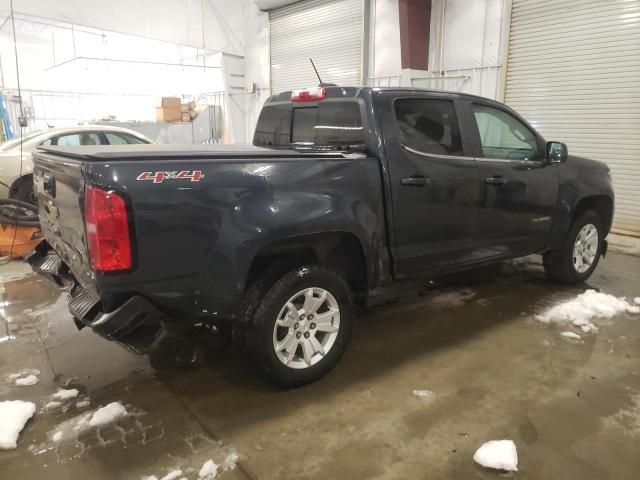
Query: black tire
(23, 190)
(559, 264)
(260, 330)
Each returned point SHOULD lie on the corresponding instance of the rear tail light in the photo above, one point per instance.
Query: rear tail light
(308, 94)
(107, 225)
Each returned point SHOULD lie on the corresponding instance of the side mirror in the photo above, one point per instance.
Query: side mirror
(557, 152)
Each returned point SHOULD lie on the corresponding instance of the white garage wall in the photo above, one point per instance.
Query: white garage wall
(83, 60)
(467, 46)
(215, 24)
(385, 67)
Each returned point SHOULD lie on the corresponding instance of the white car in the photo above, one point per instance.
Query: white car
(18, 184)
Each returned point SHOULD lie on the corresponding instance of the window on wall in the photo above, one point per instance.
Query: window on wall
(429, 125)
(503, 136)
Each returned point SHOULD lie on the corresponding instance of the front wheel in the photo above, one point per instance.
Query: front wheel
(579, 256)
(302, 325)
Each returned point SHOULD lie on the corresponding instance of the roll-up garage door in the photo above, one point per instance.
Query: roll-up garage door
(329, 31)
(574, 72)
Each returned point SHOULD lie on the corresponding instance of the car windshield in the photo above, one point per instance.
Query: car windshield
(9, 144)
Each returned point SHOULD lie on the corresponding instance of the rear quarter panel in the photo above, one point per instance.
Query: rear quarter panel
(195, 241)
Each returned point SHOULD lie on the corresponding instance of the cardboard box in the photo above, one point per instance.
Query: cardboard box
(186, 117)
(168, 114)
(184, 108)
(191, 105)
(171, 102)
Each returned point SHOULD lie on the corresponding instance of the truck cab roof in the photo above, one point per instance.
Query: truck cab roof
(336, 92)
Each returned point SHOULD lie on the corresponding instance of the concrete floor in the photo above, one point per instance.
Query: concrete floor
(572, 407)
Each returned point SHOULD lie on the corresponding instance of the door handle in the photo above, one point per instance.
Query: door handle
(415, 181)
(495, 180)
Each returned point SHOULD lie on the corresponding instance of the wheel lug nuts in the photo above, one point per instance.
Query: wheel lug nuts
(310, 317)
(295, 327)
(306, 335)
(302, 317)
(298, 335)
(313, 325)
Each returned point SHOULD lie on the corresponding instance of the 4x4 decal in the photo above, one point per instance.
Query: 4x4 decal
(159, 177)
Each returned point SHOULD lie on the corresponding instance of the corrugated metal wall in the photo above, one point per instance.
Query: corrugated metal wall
(574, 72)
(331, 32)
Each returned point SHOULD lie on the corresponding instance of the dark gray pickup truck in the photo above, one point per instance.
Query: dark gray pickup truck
(344, 190)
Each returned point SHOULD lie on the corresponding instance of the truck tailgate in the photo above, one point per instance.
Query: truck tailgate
(58, 184)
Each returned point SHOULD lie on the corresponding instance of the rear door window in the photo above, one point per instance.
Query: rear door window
(429, 125)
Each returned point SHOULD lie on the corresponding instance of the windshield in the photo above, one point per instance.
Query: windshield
(326, 126)
(9, 144)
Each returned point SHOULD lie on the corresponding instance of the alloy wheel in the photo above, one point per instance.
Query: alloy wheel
(306, 328)
(585, 248)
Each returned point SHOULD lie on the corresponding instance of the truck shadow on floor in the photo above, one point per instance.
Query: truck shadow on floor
(400, 323)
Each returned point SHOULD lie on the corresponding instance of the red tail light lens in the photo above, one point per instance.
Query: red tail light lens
(308, 95)
(107, 225)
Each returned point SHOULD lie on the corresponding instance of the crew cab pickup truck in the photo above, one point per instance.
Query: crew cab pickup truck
(343, 191)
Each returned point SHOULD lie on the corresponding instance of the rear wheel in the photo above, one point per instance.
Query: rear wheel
(579, 256)
(302, 326)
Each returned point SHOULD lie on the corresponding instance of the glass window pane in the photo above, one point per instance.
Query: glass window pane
(274, 126)
(304, 125)
(429, 125)
(503, 136)
(122, 138)
(339, 125)
(75, 139)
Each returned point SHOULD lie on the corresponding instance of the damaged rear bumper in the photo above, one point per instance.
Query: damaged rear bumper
(136, 324)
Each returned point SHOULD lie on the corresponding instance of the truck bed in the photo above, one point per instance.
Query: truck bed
(194, 235)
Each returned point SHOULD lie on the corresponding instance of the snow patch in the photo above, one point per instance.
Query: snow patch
(571, 335)
(83, 403)
(209, 470)
(72, 428)
(6, 338)
(636, 300)
(172, 475)
(27, 381)
(52, 405)
(498, 454)
(25, 377)
(108, 414)
(14, 415)
(581, 310)
(65, 394)
(230, 461)
(423, 394)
